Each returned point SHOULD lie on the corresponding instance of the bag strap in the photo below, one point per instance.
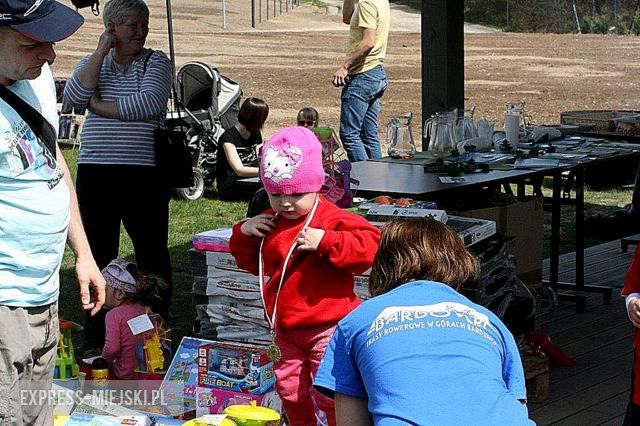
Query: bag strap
(144, 71)
(173, 91)
(43, 130)
(146, 61)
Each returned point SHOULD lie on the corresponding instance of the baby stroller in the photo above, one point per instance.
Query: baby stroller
(208, 104)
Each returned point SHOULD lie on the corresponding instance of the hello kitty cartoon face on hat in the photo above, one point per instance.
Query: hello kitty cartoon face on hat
(280, 163)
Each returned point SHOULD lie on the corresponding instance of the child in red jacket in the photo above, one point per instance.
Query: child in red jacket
(631, 291)
(310, 249)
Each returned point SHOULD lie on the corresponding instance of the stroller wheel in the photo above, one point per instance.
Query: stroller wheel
(194, 192)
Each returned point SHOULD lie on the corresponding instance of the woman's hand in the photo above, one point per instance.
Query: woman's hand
(106, 41)
(94, 102)
(258, 226)
(309, 239)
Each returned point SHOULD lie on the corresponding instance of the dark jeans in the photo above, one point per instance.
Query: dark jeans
(359, 112)
(138, 198)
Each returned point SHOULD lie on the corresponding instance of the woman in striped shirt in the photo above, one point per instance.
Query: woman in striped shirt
(125, 88)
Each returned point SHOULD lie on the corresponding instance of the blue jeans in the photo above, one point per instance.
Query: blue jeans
(359, 114)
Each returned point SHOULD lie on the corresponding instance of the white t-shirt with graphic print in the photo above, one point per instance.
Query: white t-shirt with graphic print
(34, 202)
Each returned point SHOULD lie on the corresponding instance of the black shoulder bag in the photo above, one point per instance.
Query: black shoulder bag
(172, 154)
(93, 4)
(44, 131)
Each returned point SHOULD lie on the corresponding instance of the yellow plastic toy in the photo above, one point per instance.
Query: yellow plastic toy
(211, 420)
(153, 351)
(60, 420)
(252, 415)
(153, 342)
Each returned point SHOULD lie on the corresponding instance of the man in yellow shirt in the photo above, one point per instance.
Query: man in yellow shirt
(362, 76)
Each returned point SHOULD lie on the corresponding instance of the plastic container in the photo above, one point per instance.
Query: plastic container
(252, 415)
(100, 374)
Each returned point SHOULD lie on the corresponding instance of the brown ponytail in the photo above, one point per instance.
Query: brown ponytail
(148, 286)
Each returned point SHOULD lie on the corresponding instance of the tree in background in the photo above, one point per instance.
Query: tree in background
(554, 15)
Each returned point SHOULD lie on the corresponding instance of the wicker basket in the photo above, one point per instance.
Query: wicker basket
(604, 121)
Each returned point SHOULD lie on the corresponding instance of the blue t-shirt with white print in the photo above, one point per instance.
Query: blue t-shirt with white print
(34, 202)
(423, 354)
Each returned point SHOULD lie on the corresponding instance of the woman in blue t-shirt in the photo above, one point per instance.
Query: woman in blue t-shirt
(237, 150)
(419, 352)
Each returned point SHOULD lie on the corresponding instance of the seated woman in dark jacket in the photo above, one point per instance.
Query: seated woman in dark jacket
(237, 150)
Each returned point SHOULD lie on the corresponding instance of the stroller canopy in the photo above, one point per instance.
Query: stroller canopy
(201, 87)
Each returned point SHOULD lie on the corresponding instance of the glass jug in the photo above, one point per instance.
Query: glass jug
(467, 128)
(399, 137)
(441, 130)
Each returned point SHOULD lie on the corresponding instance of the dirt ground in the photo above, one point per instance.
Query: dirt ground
(289, 61)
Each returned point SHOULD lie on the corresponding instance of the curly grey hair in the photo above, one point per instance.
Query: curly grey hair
(116, 11)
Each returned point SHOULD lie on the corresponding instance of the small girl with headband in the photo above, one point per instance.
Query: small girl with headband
(127, 292)
(311, 250)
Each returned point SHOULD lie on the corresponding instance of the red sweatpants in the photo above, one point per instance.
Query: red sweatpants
(302, 350)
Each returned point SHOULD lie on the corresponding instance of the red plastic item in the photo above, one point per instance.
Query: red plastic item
(556, 356)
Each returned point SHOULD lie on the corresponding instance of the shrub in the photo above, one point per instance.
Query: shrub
(601, 25)
(635, 24)
(587, 25)
(622, 29)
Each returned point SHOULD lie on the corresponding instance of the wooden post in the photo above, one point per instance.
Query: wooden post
(442, 57)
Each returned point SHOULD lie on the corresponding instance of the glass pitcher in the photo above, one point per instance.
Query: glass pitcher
(467, 128)
(441, 131)
(399, 137)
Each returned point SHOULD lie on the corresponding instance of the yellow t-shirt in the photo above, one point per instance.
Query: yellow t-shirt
(369, 14)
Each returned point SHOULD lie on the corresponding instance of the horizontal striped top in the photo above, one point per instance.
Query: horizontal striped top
(142, 102)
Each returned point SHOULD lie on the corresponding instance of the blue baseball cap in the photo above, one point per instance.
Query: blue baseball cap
(40, 20)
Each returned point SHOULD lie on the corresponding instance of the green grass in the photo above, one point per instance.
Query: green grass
(188, 218)
(603, 202)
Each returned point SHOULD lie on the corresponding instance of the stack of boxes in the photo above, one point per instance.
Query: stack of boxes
(227, 299)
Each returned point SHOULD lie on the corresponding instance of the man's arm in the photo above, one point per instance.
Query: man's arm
(352, 411)
(348, 6)
(89, 276)
(360, 52)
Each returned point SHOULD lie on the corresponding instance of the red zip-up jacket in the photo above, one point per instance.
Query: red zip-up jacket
(318, 286)
(632, 285)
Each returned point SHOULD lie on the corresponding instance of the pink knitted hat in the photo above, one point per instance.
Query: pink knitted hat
(291, 162)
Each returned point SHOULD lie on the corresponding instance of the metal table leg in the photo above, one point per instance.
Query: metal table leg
(576, 291)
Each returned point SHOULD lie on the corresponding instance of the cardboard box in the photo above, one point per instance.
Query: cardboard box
(240, 285)
(214, 401)
(181, 379)
(385, 212)
(222, 260)
(235, 367)
(522, 220)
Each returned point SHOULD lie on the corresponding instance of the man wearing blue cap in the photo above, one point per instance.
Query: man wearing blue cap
(38, 209)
